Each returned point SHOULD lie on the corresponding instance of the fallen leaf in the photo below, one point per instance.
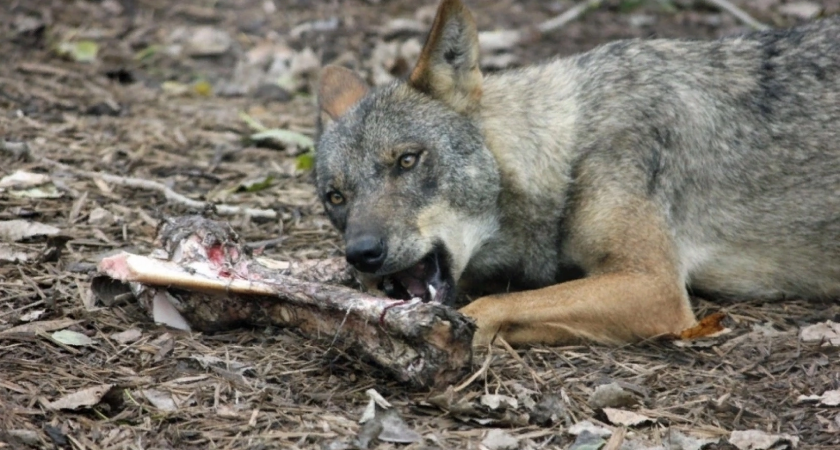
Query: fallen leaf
(207, 41)
(587, 440)
(611, 396)
(285, 137)
(22, 179)
(494, 401)
(74, 338)
(394, 429)
(160, 399)
(759, 440)
(827, 332)
(202, 88)
(827, 398)
(378, 398)
(9, 254)
(174, 88)
(678, 441)
(305, 161)
(549, 411)
(801, 10)
(707, 327)
(626, 418)
(498, 439)
(18, 230)
(32, 315)
(82, 398)
(588, 427)
(48, 191)
(40, 327)
(164, 312)
(256, 184)
(80, 51)
(128, 336)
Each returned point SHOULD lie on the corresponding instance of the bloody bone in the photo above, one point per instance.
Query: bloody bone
(215, 284)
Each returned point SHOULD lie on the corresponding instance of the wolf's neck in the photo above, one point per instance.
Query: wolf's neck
(528, 117)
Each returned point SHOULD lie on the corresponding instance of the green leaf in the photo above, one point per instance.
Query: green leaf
(147, 52)
(81, 51)
(252, 123)
(286, 137)
(256, 184)
(305, 161)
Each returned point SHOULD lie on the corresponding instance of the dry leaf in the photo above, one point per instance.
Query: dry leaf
(35, 314)
(498, 439)
(160, 399)
(68, 337)
(611, 396)
(164, 312)
(707, 327)
(828, 398)
(494, 401)
(759, 440)
(827, 332)
(85, 397)
(589, 427)
(18, 230)
(43, 326)
(128, 336)
(626, 418)
(22, 179)
(394, 429)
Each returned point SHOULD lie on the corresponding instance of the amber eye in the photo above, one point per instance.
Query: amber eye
(408, 161)
(335, 198)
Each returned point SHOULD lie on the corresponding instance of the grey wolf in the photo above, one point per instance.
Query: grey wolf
(585, 197)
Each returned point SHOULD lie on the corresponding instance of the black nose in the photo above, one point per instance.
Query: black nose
(366, 252)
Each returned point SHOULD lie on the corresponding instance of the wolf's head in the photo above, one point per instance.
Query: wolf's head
(402, 169)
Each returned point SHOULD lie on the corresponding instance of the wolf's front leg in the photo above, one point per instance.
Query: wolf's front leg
(634, 289)
(610, 308)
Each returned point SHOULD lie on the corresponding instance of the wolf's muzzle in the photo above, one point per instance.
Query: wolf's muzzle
(366, 252)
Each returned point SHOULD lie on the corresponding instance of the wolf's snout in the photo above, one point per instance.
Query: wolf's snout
(366, 252)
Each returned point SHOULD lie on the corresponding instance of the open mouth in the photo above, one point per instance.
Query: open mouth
(429, 280)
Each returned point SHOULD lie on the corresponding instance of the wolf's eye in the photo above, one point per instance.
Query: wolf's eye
(335, 198)
(408, 160)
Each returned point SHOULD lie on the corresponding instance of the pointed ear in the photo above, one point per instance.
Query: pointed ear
(448, 65)
(338, 90)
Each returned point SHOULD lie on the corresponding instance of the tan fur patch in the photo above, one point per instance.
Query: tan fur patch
(339, 89)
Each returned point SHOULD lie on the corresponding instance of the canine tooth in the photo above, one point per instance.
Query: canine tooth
(432, 292)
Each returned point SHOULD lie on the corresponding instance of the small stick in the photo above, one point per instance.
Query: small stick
(169, 194)
(739, 14)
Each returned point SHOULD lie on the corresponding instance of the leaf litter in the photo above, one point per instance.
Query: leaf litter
(268, 387)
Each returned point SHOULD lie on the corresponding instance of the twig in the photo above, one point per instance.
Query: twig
(739, 14)
(569, 15)
(169, 194)
(492, 41)
(616, 439)
(519, 359)
(479, 372)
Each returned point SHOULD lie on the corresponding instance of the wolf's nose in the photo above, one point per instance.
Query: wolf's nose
(366, 253)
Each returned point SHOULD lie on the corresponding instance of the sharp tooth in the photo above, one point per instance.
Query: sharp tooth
(432, 293)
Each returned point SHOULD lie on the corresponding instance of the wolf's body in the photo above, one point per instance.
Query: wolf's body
(643, 166)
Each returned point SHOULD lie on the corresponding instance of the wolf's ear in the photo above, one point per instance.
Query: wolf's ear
(448, 65)
(338, 90)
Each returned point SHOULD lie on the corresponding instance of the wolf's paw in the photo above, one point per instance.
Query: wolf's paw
(484, 312)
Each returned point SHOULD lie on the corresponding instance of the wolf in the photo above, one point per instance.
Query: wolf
(584, 198)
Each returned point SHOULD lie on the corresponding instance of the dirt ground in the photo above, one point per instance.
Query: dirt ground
(171, 92)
